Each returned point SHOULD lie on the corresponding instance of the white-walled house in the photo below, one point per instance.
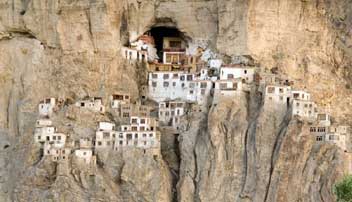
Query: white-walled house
(278, 94)
(105, 135)
(245, 73)
(94, 104)
(132, 54)
(46, 106)
(170, 112)
(305, 109)
(169, 85)
(324, 119)
(85, 156)
(141, 133)
(118, 99)
(173, 85)
(199, 91)
(56, 153)
(337, 135)
(227, 88)
(300, 95)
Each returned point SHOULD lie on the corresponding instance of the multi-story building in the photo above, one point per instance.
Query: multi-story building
(118, 99)
(278, 94)
(47, 106)
(170, 112)
(105, 135)
(140, 133)
(94, 104)
(227, 88)
(245, 73)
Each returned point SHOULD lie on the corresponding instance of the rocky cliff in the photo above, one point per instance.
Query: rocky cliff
(239, 150)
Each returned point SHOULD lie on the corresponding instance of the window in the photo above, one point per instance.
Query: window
(182, 78)
(297, 104)
(154, 84)
(191, 85)
(59, 137)
(144, 135)
(202, 92)
(189, 78)
(319, 138)
(39, 137)
(142, 121)
(281, 98)
(99, 143)
(136, 135)
(174, 84)
(125, 115)
(230, 76)
(166, 84)
(151, 135)
(134, 128)
(54, 137)
(142, 128)
(281, 90)
(120, 142)
(305, 105)
(166, 76)
(175, 44)
(183, 85)
(154, 76)
(203, 85)
(191, 92)
(245, 71)
(175, 76)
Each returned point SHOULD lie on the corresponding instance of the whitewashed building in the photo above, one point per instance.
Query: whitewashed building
(278, 94)
(169, 85)
(55, 152)
(199, 91)
(132, 54)
(170, 112)
(305, 109)
(324, 119)
(175, 85)
(300, 95)
(227, 88)
(141, 133)
(245, 73)
(302, 106)
(46, 106)
(85, 156)
(105, 135)
(94, 104)
(118, 99)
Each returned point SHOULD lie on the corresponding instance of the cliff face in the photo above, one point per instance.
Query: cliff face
(241, 150)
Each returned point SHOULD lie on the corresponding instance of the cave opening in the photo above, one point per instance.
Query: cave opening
(167, 39)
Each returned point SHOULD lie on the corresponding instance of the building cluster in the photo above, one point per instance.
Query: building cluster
(325, 132)
(178, 78)
(176, 81)
(58, 147)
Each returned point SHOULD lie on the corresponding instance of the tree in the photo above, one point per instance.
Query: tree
(343, 189)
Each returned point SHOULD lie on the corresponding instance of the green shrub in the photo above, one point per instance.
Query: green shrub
(343, 189)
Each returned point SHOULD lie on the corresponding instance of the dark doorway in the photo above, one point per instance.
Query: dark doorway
(159, 33)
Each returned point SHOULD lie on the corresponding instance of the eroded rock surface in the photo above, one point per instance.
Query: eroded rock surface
(241, 150)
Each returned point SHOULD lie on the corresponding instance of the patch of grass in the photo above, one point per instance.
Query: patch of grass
(343, 189)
